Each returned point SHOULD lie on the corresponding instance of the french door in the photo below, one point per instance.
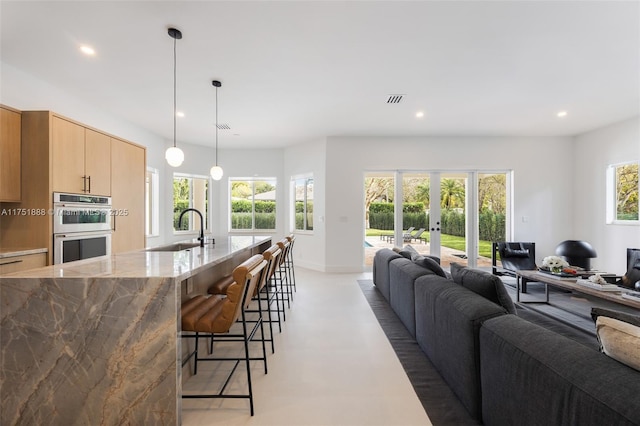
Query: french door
(461, 212)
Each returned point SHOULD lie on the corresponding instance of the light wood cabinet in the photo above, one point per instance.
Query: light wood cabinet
(22, 263)
(58, 152)
(81, 159)
(10, 147)
(128, 170)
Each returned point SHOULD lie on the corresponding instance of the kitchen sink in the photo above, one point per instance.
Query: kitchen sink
(174, 247)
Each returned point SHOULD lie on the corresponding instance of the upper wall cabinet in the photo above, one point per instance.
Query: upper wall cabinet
(10, 146)
(81, 159)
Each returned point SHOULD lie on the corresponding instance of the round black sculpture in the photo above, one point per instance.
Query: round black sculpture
(577, 253)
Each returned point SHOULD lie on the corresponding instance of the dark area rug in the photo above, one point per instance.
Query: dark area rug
(439, 402)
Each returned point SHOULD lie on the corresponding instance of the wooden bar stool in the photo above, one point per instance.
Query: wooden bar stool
(215, 315)
(273, 255)
(282, 271)
(289, 260)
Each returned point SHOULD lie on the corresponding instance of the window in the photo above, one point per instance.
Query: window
(152, 211)
(303, 205)
(253, 204)
(190, 191)
(622, 193)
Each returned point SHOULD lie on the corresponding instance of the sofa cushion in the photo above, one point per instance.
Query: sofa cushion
(448, 319)
(622, 316)
(538, 377)
(381, 261)
(403, 273)
(408, 252)
(429, 263)
(485, 284)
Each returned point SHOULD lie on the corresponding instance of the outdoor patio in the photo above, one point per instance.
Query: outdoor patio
(447, 255)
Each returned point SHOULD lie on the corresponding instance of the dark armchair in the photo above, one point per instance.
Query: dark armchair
(514, 256)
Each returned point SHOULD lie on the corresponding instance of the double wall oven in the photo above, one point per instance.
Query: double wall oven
(81, 227)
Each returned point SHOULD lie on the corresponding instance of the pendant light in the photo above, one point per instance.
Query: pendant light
(216, 171)
(174, 155)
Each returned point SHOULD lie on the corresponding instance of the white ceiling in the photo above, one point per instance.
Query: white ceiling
(295, 71)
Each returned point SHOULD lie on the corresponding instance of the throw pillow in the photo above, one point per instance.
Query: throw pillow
(408, 252)
(483, 283)
(619, 340)
(430, 264)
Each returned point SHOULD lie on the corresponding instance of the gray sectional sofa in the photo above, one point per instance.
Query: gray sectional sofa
(504, 369)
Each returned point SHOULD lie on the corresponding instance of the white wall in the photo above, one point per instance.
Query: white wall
(303, 159)
(593, 152)
(542, 181)
(562, 199)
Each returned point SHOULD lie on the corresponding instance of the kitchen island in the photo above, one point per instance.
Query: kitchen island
(96, 342)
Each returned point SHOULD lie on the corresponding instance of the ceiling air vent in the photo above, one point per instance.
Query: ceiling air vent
(223, 126)
(394, 99)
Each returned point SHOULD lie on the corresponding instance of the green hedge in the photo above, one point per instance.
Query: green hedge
(243, 220)
(244, 206)
(491, 225)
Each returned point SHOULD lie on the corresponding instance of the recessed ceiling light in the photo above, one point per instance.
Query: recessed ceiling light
(87, 50)
(419, 114)
(180, 114)
(562, 114)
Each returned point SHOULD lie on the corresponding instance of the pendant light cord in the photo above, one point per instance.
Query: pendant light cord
(174, 93)
(216, 126)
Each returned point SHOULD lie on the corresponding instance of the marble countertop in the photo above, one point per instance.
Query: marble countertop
(149, 264)
(5, 253)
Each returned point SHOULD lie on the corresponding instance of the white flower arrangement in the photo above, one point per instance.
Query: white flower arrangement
(554, 263)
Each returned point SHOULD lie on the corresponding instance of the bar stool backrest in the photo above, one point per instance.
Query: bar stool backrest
(246, 277)
(284, 246)
(272, 255)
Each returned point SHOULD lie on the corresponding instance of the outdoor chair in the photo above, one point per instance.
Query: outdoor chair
(408, 238)
(514, 256)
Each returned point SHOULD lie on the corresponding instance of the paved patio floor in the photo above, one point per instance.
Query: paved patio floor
(447, 255)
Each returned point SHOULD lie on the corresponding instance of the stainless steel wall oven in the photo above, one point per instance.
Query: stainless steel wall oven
(81, 227)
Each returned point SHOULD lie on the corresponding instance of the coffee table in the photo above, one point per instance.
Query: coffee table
(568, 284)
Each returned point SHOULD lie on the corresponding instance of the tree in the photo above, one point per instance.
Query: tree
(627, 191)
(374, 189)
(452, 193)
(422, 192)
(492, 193)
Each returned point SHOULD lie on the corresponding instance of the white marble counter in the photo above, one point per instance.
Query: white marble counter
(150, 264)
(98, 341)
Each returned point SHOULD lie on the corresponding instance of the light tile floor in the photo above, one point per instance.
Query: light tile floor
(333, 365)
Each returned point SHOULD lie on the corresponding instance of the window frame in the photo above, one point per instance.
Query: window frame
(272, 181)
(306, 179)
(612, 194)
(207, 210)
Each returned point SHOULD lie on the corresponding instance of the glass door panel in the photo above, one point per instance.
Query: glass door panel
(415, 211)
(379, 194)
(453, 218)
(492, 213)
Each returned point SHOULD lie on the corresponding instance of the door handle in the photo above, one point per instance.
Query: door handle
(84, 183)
(89, 184)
